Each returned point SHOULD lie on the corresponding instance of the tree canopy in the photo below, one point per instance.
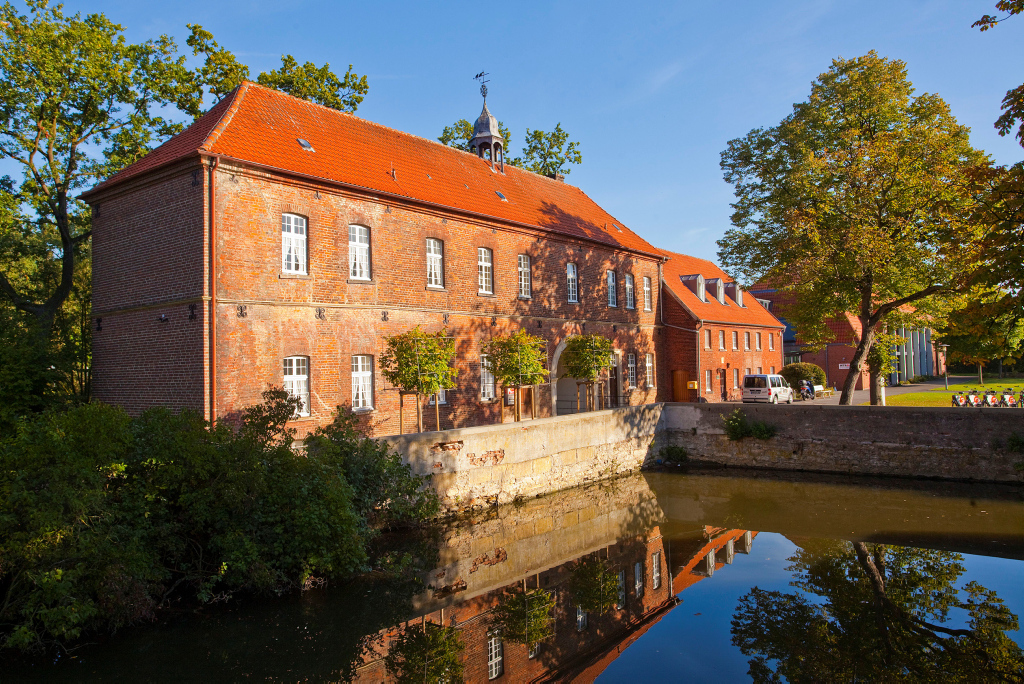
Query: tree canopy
(585, 357)
(871, 612)
(420, 362)
(517, 359)
(859, 201)
(1013, 103)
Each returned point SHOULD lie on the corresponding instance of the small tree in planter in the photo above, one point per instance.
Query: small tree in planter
(426, 653)
(594, 587)
(525, 616)
(517, 360)
(585, 358)
(419, 363)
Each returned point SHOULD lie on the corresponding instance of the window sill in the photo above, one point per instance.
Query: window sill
(435, 288)
(485, 294)
(367, 409)
(360, 281)
(613, 306)
(525, 298)
(300, 419)
(630, 308)
(294, 276)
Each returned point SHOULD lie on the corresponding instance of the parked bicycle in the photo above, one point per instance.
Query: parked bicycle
(1007, 399)
(959, 400)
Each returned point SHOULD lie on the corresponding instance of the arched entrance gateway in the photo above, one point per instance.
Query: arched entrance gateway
(563, 390)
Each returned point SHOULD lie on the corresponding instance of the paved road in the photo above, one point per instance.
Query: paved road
(864, 396)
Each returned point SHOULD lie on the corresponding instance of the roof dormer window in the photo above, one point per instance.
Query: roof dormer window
(695, 284)
(717, 289)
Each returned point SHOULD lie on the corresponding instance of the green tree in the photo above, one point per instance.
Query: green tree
(585, 358)
(882, 361)
(221, 73)
(549, 154)
(860, 199)
(426, 653)
(1013, 103)
(984, 330)
(871, 612)
(517, 360)
(525, 616)
(419, 363)
(593, 585)
(460, 133)
(78, 103)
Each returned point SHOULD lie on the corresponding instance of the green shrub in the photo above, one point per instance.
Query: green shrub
(104, 517)
(425, 653)
(525, 617)
(674, 454)
(1015, 443)
(593, 586)
(795, 372)
(737, 427)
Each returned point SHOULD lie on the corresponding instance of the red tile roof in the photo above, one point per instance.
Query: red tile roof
(262, 126)
(751, 313)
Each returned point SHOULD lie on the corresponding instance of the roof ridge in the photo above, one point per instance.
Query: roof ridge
(237, 95)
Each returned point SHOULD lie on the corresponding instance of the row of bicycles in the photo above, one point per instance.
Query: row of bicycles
(990, 398)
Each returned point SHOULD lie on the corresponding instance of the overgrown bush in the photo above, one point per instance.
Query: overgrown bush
(795, 372)
(737, 427)
(674, 454)
(104, 518)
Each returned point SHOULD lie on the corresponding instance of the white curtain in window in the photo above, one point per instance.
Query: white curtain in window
(296, 382)
(362, 381)
(358, 252)
(486, 379)
(524, 275)
(647, 294)
(628, 287)
(435, 263)
(495, 656)
(649, 362)
(631, 367)
(293, 244)
(613, 296)
(571, 283)
(484, 270)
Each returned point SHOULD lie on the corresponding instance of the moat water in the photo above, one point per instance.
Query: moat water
(715, 576)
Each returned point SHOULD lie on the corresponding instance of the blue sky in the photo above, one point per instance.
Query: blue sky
(652, 91)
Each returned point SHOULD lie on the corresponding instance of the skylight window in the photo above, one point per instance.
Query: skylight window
(503, 198)
(616, 228)
(306, 145)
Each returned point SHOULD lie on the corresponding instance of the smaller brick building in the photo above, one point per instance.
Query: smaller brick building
(714, 333)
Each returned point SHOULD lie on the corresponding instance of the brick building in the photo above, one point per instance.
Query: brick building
(277, 242)
(714, 333)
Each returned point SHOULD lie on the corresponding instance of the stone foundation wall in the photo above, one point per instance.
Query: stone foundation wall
(479, 466)
(944, 443)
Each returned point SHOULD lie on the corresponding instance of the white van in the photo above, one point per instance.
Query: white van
(767, 388)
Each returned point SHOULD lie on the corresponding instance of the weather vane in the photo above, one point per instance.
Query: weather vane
(482, 77)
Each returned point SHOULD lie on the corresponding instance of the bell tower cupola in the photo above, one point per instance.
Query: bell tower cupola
(487, 139)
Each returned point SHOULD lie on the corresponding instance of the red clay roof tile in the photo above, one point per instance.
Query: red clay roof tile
(262, 126)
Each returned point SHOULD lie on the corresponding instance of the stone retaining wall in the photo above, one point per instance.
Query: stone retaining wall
(945, 443)
(489, 464)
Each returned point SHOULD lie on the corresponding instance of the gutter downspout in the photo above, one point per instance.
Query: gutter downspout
(213, 290)
(661, 315)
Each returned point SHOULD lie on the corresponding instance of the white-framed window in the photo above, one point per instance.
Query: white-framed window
(296, 382)
(638, 578)
(293, 244)
(495, 656)
(735, 340)
(649, 368)
(757, 340)
(747, 371)
(435, 263)
(771, 341)
(572, 283)
(647, 293)
(707, 381)
(631, 369)
(735, 378)
(721, 340)
(362, 381)
(746, 341)
(759, 370)
(628, 287)
(707, 338)
(487, 390)
(656, 570)
(622, 590)
(524, 276)
(613, 295)
(533, 651)
(581, 619)
(442, 397)
(772, 370)
(358, 252)
(485, 270)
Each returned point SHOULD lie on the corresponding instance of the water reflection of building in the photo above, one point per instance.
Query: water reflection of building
(539, 549)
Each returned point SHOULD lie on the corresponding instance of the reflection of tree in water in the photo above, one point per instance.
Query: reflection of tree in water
(883, 617)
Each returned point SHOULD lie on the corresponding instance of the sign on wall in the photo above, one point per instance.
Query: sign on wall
(844, 366)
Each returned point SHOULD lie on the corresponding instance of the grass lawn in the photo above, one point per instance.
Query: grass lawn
(940, 396)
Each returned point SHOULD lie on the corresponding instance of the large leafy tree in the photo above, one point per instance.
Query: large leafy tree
(1013, 103)
(984, 330)
(870, 612)
(860, 200)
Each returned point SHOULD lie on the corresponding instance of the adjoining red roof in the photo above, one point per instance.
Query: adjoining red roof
(751, 313)
(262, 126)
